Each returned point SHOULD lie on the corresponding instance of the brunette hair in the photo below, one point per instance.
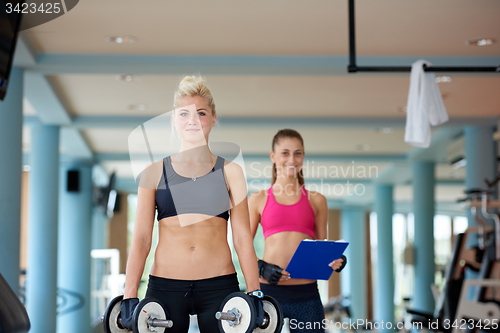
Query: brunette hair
(286, 133)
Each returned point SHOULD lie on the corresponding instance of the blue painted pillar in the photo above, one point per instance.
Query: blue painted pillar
(11, 155)
(481, 161)
(384, 290)
(41, 288)
(99, 230)
(354, 279)
(75, 222)
(423, 209)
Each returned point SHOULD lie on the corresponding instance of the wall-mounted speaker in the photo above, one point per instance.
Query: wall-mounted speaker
(73, 181)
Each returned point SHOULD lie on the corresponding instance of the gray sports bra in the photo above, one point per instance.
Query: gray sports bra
(178, 195)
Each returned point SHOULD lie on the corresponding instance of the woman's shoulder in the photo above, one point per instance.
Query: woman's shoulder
(258, 195)
(257, 199)
(232, 168)
(151, 175)
(228, 163)
(316, 198)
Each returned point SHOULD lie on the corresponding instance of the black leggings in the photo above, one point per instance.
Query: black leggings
(301, 304)
(202, 297)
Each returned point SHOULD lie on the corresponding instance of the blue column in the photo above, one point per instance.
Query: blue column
(99, 230)
(423, 210)
(41, 289)
(11, 155)
(353, 277)
(481, 161)
(384, 290)
(75, 222)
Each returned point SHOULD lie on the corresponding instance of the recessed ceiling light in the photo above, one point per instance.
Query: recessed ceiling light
(386, 130)
(363, 147)
(137, 106)
(445, 79)
(128, 77)
(480, 42)
(121, 39)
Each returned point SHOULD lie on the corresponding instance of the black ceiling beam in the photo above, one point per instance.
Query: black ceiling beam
(353, 67)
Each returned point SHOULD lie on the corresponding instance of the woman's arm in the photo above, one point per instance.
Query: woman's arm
(321, 214)
(141, 240)
(254, 209)
(272, 273)
(240, 224)
(321, 208)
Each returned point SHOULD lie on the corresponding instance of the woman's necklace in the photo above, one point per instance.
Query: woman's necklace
(193, 177)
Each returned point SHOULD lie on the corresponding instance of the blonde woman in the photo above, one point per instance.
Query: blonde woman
(193, 192)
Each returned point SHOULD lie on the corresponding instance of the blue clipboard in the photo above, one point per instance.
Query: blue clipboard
(311, 259)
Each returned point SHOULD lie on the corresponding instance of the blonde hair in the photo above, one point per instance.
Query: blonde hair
(194, 86)
(282, 134)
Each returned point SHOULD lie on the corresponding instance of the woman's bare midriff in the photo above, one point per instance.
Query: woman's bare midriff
(193, 252)
(279, 249)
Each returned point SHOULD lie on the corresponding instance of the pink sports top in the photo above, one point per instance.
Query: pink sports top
(297, 217)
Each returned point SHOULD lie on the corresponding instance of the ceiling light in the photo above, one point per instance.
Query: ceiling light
(458, 162)
(128, 77)
(121, 39)
(137, 106)
(386, 130)
(444, 79)
(480, 42)
(363, 147)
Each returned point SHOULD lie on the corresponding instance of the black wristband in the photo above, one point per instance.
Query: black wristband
(338, 270)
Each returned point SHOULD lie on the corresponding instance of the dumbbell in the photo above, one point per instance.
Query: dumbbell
(237, 314)
(148, 317)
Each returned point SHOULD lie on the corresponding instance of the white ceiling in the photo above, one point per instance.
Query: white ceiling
(278, 62)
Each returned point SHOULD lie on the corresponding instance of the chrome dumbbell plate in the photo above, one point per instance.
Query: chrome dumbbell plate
(241, 303)
(273, 316)
(149, 316)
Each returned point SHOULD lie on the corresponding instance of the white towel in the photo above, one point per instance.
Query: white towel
(425, 106)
